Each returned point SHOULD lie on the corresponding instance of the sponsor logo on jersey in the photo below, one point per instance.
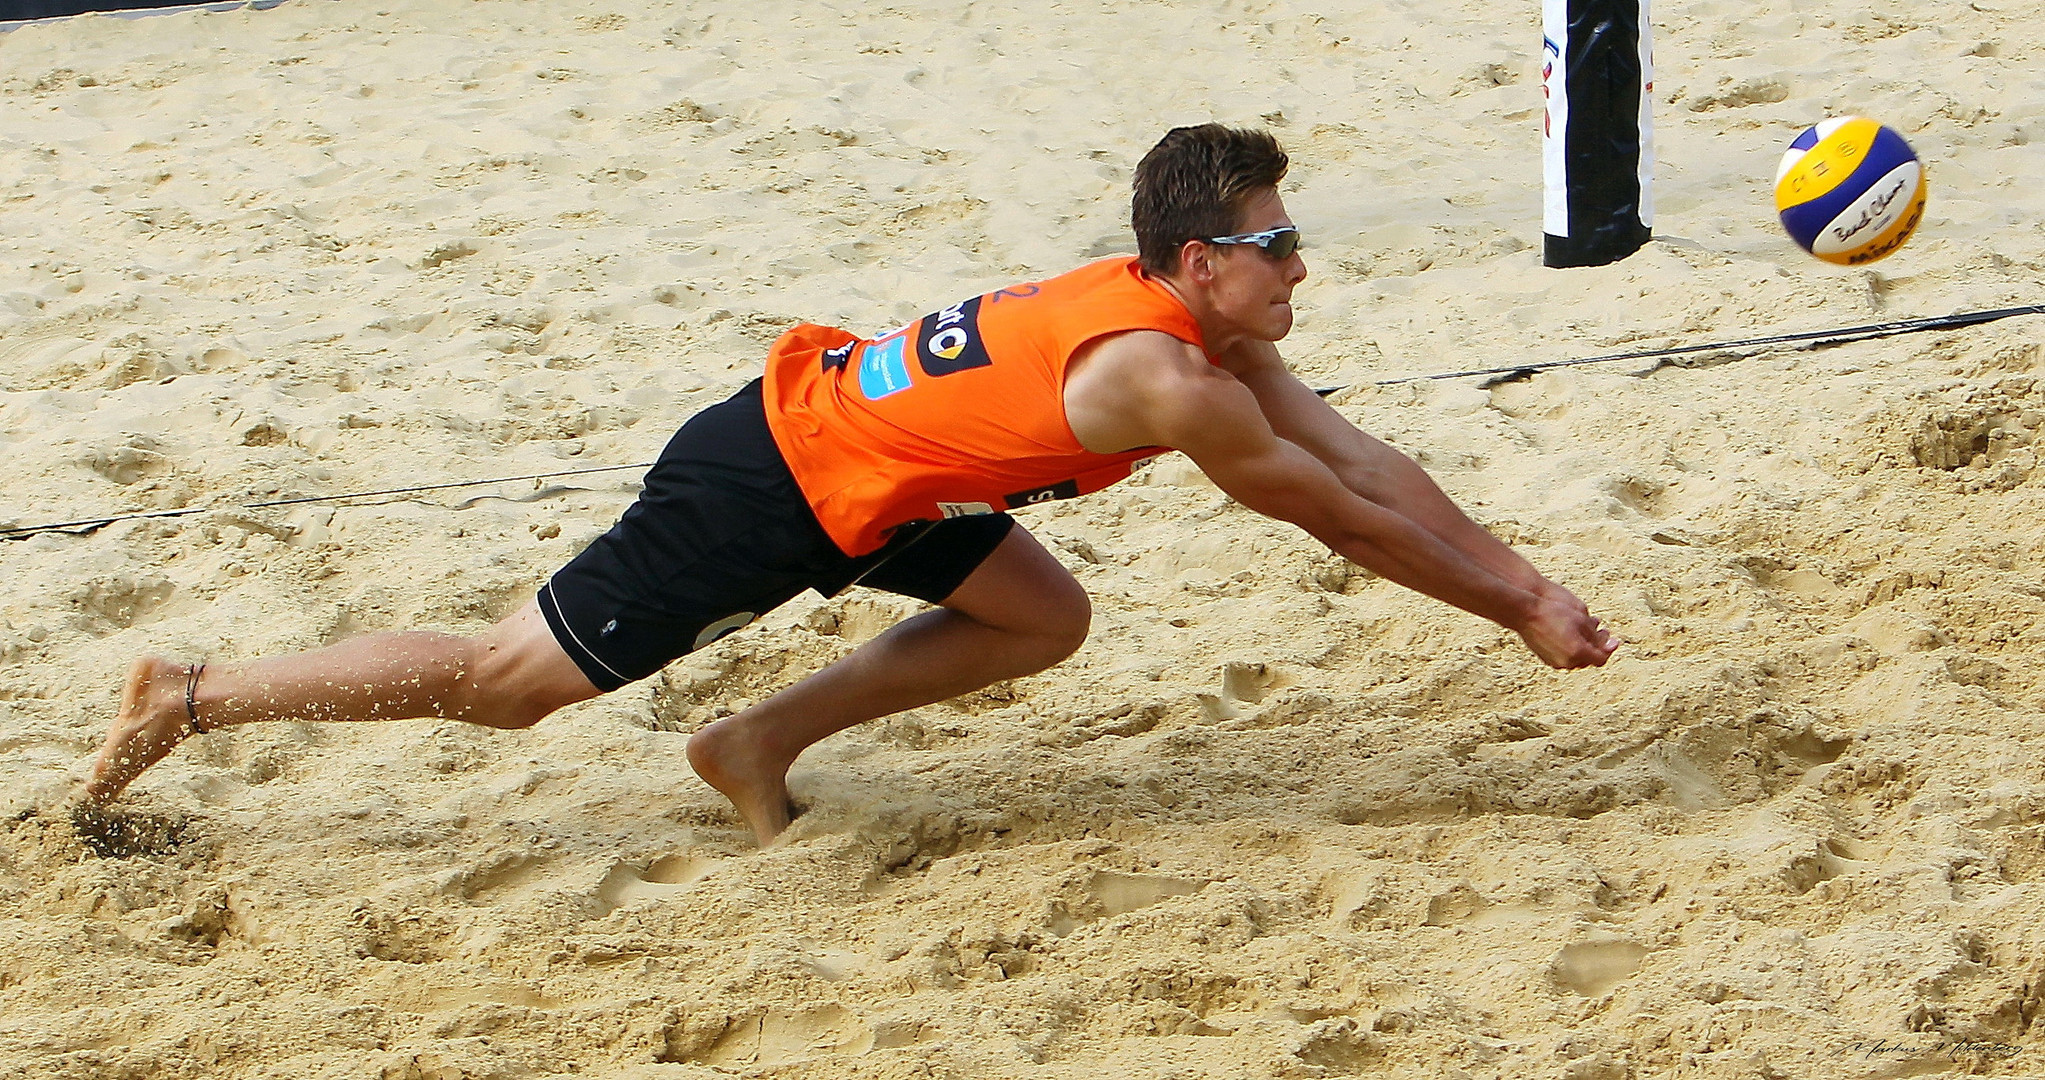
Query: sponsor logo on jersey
(1064, 489)
(883, 369)
(963, 509)
(835, 358)
(949, 340)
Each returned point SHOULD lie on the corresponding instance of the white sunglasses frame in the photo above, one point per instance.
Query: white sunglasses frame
(1262, 241)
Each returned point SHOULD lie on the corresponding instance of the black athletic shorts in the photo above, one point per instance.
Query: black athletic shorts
(721, 535)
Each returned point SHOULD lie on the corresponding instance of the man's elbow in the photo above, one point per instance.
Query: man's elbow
(1342, 533)
(1362, 546)
(1284, 505)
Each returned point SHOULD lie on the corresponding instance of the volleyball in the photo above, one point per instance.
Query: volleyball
(1849, 190)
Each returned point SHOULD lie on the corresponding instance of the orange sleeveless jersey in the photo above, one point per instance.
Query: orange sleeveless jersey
(961, 411)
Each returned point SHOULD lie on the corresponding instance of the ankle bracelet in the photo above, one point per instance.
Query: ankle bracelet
(192, 699)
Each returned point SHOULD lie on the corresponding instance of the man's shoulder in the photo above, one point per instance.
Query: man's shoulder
(1125, 391)
(1139, 358)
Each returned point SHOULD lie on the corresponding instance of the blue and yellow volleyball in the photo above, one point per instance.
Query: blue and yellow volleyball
(1850, 191)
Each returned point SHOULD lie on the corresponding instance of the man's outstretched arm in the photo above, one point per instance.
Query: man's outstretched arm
(1217, 421)
(1371, 469)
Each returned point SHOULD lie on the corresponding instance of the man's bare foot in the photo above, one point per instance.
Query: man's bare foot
(733, 761)
(150, 724)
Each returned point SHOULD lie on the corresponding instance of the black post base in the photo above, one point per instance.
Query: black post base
(1601, 246)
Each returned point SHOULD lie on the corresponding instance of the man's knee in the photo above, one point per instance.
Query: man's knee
(1023, 592)
(517, 675)
(491, 692)
(1076, 623)
(1063, 623)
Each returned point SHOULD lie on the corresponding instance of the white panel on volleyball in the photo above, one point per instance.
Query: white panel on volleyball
(1872, 214)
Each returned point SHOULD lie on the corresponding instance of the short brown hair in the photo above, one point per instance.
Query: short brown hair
(1194, 183)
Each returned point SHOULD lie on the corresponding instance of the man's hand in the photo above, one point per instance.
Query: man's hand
(1548, 590)
(1565, 635)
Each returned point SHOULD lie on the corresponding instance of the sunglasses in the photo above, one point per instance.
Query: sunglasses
(1278, 243)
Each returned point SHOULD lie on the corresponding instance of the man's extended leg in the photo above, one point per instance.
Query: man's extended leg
(508, 676)
(1018, 613)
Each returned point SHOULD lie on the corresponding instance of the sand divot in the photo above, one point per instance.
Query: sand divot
(1592, 967)
(626, 884)
(499, 879)
(782, 1036)
(127, 834)
(1119, 894)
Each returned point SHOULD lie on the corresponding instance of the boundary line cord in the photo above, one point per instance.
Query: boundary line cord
(1815, 337)
(1812, 337)
(86, 525)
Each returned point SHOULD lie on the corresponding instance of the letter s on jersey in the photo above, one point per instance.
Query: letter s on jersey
(1064, 489)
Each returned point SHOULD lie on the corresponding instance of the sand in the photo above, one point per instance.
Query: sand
(1278, 818)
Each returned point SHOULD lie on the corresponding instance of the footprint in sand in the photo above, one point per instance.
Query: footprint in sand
(1591, 968)
(1119, 894)
(628, 884)
(778, 1036)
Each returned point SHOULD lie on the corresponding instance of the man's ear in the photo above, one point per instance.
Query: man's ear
(1195, 261)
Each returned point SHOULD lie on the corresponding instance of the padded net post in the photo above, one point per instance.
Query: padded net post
(1597, 139)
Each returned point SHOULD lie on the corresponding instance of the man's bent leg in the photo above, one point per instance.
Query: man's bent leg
(508, 676)
(1018, 613)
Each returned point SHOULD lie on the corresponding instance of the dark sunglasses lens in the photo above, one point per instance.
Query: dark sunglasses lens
(1282, 246)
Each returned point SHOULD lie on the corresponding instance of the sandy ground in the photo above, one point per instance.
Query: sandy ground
(1278, 818)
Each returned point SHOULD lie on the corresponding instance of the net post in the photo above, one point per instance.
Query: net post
(1597, 132)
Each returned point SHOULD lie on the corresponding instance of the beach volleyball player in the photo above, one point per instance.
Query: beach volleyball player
(890, 462)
